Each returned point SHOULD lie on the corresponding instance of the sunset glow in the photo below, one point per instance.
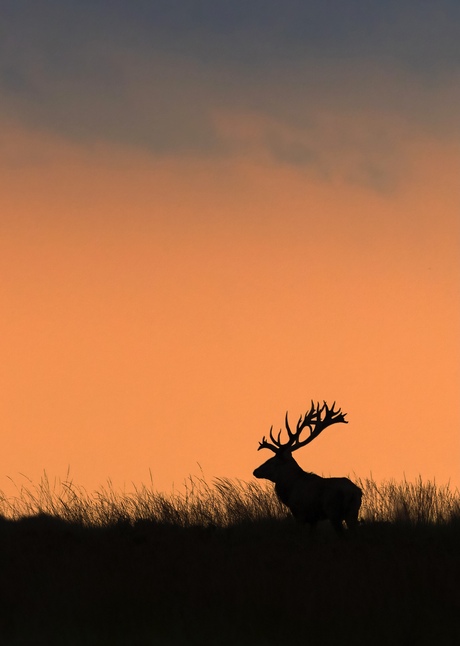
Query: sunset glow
(193, 241)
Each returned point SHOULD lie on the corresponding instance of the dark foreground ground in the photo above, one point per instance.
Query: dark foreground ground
(256, 584)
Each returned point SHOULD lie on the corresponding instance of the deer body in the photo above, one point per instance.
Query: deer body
(310, 497)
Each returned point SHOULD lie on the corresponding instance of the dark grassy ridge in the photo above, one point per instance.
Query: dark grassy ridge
(254, 578)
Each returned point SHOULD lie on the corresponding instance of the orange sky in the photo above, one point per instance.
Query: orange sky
(160, 313)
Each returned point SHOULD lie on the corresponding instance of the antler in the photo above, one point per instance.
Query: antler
(316, 420)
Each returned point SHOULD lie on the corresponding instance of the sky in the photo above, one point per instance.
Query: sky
(213, 212)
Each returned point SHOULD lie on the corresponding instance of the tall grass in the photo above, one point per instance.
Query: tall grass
(223, 503)
(419, 502)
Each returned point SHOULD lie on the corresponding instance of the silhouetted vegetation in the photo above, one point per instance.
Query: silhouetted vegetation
(226, 564)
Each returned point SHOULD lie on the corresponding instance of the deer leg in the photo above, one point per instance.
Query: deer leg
(351, 517)
(352, 521)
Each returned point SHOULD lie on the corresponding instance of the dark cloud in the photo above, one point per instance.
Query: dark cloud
(155, 74)
(418, 34)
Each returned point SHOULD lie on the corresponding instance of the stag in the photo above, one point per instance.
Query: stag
(310, 497)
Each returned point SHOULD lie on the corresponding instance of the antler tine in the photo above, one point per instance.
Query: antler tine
(319, 417)
(288, 428)
(332, 414)
(276, 441)
(309, 418)
(274, 446)
(316, 419)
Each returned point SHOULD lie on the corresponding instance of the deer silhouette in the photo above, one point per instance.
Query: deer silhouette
(310, 498)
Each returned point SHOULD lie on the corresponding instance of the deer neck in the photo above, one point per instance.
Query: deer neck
(287, 476)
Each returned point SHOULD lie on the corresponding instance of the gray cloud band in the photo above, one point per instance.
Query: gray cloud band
(161, 75)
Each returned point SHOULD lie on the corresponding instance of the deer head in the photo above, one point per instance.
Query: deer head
(315, 420)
